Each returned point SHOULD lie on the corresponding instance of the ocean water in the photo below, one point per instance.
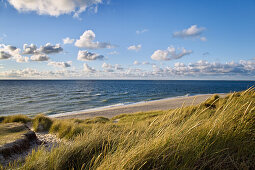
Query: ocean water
(60, 96)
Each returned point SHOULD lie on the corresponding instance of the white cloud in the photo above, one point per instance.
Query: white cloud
(33, 73)
(200, 69)
(213, 69)
(46, 49)
(50, 49)
(105, 65)
(68, 40)
(88, 56)
(4, 55)
(191, 32)
(60, 64)
(170, 54)
(39, 57)
(118, 67)
(141, 31)
(21, 59)
(29, 49)
(54, 7)
(11, 48)
(136, 63)
(14, 52)
(108, 67)
(135, 47)
(87, 41)
(20, 73)
(112, 68)
(87, 68)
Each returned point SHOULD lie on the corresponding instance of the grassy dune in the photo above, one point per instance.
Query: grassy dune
(10, 132)
(217, 134)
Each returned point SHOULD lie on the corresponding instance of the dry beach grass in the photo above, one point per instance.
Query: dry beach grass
(216, 134)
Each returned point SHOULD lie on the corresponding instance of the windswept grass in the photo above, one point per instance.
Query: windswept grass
(68, 128)
(194, 137)
(41, 123)
(11, 131)
(16, 118)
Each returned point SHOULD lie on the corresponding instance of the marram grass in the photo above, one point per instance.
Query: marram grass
(217, 134)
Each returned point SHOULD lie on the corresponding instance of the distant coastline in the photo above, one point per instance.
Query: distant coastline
(145, 106)
(63, 96)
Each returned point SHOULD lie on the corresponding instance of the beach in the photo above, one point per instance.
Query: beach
(163, 104)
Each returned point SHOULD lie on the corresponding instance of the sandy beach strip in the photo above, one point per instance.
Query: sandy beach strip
(163, 104)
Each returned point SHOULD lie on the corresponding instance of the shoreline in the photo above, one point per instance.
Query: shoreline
(143, 106)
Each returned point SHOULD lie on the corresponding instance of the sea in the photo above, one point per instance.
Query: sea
(61, 96)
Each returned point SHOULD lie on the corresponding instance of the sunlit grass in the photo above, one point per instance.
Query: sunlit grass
(16, 118)
(9, 132)
(217, 134)
(41, 123)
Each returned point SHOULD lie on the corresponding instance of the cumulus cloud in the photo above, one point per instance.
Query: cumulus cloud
(241, 69)
(68, 40)
(118, 67)
(28, 72)
(108, 67)
(49, 49)
(56, 7)
(191, 32)
(112, 68)
(33, 73)
(170, 54)
(87, 41)
(88, 56)
(4, 55)
(214, 69)
(136, 63)
(135, 47)
(14, 53)
(88, 69)
(39, 57)
(60, 64)
(29, 49)
(46, 49)
(105, 65)
(141, 31)
(11, 48)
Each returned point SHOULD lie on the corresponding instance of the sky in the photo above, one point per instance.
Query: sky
(127, 39)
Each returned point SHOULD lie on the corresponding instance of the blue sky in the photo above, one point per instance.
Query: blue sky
(135, 39)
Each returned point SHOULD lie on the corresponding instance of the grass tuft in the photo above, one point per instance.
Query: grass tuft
(41, 123)
(16, 118)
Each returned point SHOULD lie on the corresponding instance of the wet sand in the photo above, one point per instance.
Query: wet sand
(163, 104)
